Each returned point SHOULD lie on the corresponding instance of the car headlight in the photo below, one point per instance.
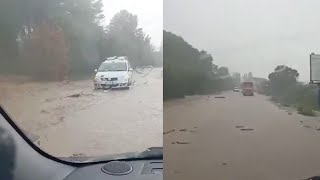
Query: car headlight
(96, 78)
(125, 77)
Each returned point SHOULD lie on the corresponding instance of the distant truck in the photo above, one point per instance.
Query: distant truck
(247, 88)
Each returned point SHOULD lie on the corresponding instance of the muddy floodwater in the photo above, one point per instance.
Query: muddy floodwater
(73, 118)
(238, 137)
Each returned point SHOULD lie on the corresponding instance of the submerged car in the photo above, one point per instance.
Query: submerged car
(115, 72)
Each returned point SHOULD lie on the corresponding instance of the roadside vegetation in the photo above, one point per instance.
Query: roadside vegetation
(61, 39)
(289, 92)
(188, 71)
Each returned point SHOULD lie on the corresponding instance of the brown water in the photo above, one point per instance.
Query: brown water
(95, 123)
(208, 143)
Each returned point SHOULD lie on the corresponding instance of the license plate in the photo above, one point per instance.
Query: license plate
(109, 82)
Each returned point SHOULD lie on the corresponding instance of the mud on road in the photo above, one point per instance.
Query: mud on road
(72, 117)
(238, 137)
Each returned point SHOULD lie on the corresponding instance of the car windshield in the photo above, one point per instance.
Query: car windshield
(50, 54)
(247, 84)
(113, 66)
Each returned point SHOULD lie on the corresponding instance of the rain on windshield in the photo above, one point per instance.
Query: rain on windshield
(113, 66)
(49, 51)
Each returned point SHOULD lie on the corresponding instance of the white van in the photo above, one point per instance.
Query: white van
(115, 72)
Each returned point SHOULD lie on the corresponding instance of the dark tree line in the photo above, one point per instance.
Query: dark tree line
(188, 71)
(282, 79)
(123, 37)
(54, 39)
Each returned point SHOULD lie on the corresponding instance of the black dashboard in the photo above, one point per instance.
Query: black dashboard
(134, 170)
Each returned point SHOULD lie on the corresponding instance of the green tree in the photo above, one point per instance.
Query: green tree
(182, 75)
(81, 24)
(11, 20)
(124, 38)
(282, 79)
(28, 28)
(223, 71)
(188, 71)
(286, 90)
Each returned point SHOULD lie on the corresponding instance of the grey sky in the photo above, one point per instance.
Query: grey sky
(149, 12)
(249, 35)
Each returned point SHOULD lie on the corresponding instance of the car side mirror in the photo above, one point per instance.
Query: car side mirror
(96, 70)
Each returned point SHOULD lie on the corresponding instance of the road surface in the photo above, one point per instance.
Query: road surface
(73, 118)
(237, 137)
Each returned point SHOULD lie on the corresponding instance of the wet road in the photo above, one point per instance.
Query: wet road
(93, 122)
(237, 137)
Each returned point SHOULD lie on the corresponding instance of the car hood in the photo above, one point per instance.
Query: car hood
(111, 74)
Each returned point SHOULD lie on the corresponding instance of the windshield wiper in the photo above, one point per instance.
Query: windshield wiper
(150, 153)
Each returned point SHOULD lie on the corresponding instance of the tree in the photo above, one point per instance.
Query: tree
(188, 71)
(158, 58)
(223, 71)
(11, 20)
(124, 38)
(27, 40)
(207, 65)
(46, 52)
(283, 78)
(81, 22)
(182, 67)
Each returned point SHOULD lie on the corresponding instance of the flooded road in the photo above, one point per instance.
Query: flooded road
(237, 137)
(72, 117)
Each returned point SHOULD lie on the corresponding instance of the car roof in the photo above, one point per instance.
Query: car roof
(117, 58)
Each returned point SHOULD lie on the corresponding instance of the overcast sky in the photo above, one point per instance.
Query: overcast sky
(149, 12)
(249, 35)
